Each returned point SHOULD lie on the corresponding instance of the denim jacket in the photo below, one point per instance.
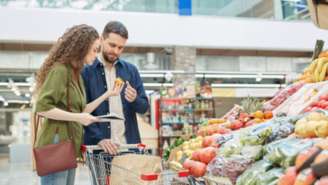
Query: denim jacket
(95, 85)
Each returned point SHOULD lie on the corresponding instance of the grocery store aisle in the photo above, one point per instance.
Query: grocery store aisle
(19, 174)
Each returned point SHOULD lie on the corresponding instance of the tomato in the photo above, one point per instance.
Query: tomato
(187, 164)
(201, 132)
(223, 130)
(207, 154)
(214, 129)
(214, 139)
(321, 103)
(324, 97)
(325, 105)
(211, 131)
(243, 117)
(307, 109)
(197, 169)
(208, 141)
(268, 114)
(195, 155)
(236, 125)
(314, 104)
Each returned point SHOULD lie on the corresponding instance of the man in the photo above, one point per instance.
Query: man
(100, 76)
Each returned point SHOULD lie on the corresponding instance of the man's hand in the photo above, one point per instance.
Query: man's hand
(108, 146)
(130, 93)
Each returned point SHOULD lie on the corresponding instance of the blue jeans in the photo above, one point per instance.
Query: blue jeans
(66, 177)
(60, 178)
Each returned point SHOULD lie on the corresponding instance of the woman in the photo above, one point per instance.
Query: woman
(58, 76)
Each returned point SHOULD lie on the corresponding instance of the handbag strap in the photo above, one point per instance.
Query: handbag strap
(36, 120)
(69, 132)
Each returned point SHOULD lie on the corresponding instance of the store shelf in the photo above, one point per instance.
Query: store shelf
(177, 110)
(191, 109)
(203, 110)
(171, 123)
(174, 136)
(197, 122)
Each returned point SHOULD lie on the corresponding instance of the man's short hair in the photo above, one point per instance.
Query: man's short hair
(115, 27)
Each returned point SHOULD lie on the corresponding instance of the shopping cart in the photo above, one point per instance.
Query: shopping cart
(99, 164)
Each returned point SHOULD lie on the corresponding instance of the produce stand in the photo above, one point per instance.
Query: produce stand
(265, 143)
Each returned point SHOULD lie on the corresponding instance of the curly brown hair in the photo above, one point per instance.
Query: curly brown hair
(71, 49)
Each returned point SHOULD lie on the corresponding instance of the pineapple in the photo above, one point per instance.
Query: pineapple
(251, 105)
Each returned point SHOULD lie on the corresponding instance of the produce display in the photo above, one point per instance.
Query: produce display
(282, 95)
(281, 131)
(230, 167)
(174, 146)
(315, 124)
(270, 177)
(306, 157)
(303, 98)
(232, 146)
(289, 177)
(256, 136)
(283, 141)
(306, 177)
(283, 152)
(316, 71)
(250, 176)
(322, 103)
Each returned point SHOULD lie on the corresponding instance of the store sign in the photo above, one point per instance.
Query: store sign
(226, 92)
(185, 7)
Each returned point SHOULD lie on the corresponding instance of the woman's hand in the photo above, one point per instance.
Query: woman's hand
(94, 104)
(86, 119)
(115, 91)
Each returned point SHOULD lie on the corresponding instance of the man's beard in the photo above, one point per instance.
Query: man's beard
(108, 60)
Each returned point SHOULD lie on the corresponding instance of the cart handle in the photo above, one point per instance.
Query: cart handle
(154, 176)
(140, 146)
(183, 173)
(149, 177)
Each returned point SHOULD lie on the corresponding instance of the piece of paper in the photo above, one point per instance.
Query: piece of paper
(109, 117)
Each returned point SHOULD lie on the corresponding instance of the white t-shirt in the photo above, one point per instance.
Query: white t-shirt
(115, 105)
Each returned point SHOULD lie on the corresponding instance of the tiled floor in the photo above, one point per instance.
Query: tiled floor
(22, 174)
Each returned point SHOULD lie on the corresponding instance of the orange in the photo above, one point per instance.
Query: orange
(258, 120)
(268, 115)
(259, 114)
(118, 81)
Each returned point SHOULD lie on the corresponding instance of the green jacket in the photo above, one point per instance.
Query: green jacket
(53, 94)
